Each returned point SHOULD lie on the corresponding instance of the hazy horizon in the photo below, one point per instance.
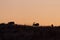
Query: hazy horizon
(45, 12)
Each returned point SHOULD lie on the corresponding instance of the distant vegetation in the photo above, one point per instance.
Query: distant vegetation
(12, 31)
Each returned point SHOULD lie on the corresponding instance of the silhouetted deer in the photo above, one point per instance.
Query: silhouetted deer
(35, 24)
(52, 25)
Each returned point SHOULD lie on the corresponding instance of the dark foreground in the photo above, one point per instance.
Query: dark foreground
(23, 32)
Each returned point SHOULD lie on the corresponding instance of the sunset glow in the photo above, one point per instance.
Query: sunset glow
(46, 12)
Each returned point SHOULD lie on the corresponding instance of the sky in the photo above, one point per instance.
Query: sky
(45, 12)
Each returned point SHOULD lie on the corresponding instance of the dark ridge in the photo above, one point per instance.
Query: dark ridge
(12, 31)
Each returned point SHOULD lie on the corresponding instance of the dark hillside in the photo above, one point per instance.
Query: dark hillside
(13, 31)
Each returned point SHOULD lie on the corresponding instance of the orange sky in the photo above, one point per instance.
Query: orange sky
(45, 12)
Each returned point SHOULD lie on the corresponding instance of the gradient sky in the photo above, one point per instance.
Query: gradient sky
(45, 12)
